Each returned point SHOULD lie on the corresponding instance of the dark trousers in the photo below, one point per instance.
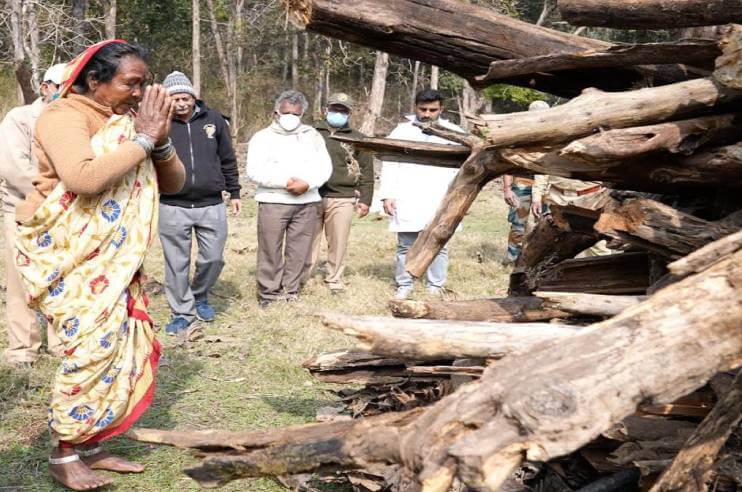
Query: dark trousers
(285, 235)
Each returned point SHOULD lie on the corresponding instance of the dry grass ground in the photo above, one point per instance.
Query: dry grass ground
(252, 378)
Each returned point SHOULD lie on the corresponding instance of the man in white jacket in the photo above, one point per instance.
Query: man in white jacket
(411, 193)
(289, 162)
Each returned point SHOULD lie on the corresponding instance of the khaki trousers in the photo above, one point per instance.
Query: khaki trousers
(24, 333)
(337, 215)
(592, 201)
(285, 234)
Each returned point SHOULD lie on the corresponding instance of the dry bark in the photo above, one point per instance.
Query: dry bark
(349, 367)
(623, 273)
(579, 118)
(694, 52)
(662, 229)
(589, 304)
(719, 167)
(439, 340)
(503, 310)
(703, 258)
(676, 137)
(692, 466)
(650, 14)
(536, 406)
(464, 39)
(430, 154)
(729, 66)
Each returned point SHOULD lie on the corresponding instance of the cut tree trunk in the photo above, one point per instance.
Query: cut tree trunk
(349, 367)
(464, 39)
(502, 310)
(692, 466)
(676, 137)
(589, 304)
(440, 340)
(729, 66)
(719, 167)
(650, 14)
(430, 154)
(700, 52)
(623, 273)
(579, 118)
(477, 171)
(661, 229)
(535, 406)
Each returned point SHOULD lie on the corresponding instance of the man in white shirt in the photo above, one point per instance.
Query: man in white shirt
(411, 193)
(289, 162)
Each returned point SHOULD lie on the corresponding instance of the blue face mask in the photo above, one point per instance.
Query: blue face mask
(337, 120)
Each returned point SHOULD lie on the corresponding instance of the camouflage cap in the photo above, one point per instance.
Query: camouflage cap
(342, 99)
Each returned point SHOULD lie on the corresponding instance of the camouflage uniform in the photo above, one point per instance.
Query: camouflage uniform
(518, 217)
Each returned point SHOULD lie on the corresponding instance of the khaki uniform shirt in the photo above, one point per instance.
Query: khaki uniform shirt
(543, 183)
(18, 166)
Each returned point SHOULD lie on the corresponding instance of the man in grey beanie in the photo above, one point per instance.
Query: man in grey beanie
(201, 139)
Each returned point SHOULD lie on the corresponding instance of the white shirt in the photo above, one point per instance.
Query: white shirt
(275, 155)
(416, 189)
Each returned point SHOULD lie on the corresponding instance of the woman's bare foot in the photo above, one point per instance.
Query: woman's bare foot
(102, 460)
(73, 473)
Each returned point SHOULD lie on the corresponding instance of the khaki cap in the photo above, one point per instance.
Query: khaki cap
(342, 99)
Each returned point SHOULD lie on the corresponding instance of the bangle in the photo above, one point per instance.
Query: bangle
(145, 142)
(163, 153)
(164, 146)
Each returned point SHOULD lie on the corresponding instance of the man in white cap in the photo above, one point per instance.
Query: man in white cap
(202, 140)
(17, 169)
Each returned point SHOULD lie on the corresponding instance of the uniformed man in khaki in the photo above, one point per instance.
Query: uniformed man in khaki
(17, 169)
(565, 191)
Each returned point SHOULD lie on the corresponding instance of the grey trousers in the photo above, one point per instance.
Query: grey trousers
(285, 236)
(176, 227)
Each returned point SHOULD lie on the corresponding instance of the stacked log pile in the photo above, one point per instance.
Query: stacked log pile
(606, 373)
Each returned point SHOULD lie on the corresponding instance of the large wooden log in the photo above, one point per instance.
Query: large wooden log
(536, 406)
(650, 14)
(589, 304)
(662, 229)
(708, 255)
(579, 117)
(623, 273)
(430, 154)
(700, 52)
(692, 466)
(440, 340)
(729, 66)
(464, 38)
(676, 137)
(501, 310)
(719, 167)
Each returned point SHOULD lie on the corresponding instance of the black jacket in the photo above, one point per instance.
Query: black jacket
(205, 148)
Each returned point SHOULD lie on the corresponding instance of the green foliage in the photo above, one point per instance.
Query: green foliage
(513, 94)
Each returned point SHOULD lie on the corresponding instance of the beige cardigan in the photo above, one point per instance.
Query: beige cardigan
(61, 145)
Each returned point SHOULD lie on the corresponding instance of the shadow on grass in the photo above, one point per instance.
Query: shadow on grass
(302, 407)
(379, 271)
(23, 461)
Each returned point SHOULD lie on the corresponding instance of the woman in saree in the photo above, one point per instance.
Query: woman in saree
(103, 153)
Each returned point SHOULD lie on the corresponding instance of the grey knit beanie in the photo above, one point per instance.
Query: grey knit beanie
(177, 82)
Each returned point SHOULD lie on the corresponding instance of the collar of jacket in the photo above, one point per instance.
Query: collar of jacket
(323, 126)
(276, 128)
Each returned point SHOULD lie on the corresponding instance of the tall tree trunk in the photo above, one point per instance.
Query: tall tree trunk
(415, 83)
(111, 19)
(376, 99)
(32, 46)
(434, 73)
(79, 15)
(24, 90)
(295, 60)
(196, 45)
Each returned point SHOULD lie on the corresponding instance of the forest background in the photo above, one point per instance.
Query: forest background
(241, 53)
